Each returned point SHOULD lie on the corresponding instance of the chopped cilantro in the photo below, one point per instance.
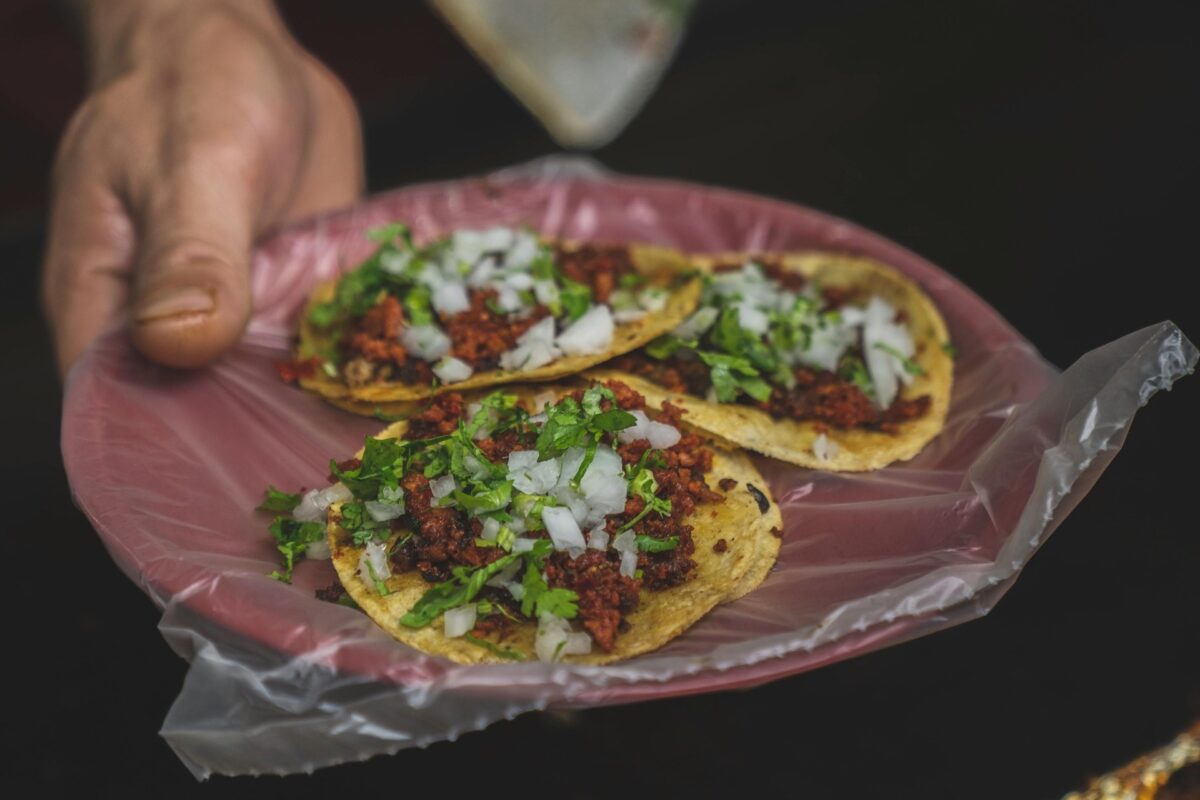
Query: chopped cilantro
(380, 584)
(573, 424)
(732, 375)
(910, 366)
(382, 416)
(631, 280)
(854, 370)
(292, 538)
(949, 349)
(457, 591)
(540, 598)
(575, 298)
(278, 502)
(648, 544)
(643, 485)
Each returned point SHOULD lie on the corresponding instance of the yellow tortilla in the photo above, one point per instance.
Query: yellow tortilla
(662, 268)
(661, 615)
(788, 440)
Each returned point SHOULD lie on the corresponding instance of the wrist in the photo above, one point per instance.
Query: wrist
(121, 34)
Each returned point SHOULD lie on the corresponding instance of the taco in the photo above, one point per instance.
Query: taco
(817, 359)
(481, 308)
(599, 528)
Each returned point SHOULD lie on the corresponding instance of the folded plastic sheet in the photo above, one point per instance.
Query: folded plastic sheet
(169, 466)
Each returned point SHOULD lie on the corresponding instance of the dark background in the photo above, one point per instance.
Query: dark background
(1040, 151)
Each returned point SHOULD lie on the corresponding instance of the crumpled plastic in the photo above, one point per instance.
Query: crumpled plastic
(169, 467)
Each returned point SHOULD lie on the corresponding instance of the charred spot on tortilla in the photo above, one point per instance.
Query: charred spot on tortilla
(482, 307)
(817, 359)
(588, 532)
(764, 504)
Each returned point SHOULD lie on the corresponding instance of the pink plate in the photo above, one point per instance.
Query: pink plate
(169, 467)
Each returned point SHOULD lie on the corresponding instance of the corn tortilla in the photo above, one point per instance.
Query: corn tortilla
(662, 267)
(788, 440)
(751, 549)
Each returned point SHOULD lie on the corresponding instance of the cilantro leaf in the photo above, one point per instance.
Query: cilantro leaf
(643, 485)
(292, 538)
(278, 502)
(854, 370)
(648, 544)
(388, 234)
(457, 591)
(731, 375)
(729, 335)
(668, 345)
(540, 598)
(573, 424)
(493, 499)
(575, 297)
(910, 366)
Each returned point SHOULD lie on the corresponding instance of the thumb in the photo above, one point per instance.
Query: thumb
(191, 290)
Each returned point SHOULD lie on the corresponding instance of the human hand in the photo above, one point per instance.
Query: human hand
(206, 124)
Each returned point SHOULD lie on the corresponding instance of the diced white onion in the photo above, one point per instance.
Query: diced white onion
(517, 590)
(603, 489)
(522, 251)
(827, 346)
(520, 281)
(546, 291)
(535, 348)
(314, 504)
(590, 334)
(652, 299)
(394, 261)
(458, 621)
(660, 435)
(318, 550)
(824, 449)
(628, 315)
(450, 298)
(564, 530)
(383, 512)
(374, 554)
(426, 342)
(522, 545)
(695, 326)
(440, 487)
(637, 431)
(880, 334)
(625, 542)
(553, 638)
(578, 644)
(507, 298)
(482, 273)
(491, 529)
(452, 370)
(597, 538)
(543, 399)
(531, 476)
(628, 563)
(751, 318)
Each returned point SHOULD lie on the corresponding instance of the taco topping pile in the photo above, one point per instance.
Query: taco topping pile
(476, 300)
(557, 518)
(774, 340)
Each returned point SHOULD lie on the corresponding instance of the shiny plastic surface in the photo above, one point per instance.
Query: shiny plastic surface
(169, 467)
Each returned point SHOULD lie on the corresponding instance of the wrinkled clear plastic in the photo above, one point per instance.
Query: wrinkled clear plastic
(169, 467)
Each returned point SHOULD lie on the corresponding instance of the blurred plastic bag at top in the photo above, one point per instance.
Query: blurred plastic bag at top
(584, 69)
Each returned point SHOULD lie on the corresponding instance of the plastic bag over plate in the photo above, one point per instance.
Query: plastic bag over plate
(169, 467)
